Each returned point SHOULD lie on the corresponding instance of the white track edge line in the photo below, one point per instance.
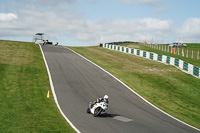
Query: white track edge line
(54, 94)
(135, 92)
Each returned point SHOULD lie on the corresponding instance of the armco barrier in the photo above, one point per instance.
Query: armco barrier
(168, 60)
(159, 57)
(186, 67)
(181, 64)
(196, 71)
(176, 63)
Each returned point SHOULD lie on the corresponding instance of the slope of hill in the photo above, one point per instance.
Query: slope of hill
(24, 83)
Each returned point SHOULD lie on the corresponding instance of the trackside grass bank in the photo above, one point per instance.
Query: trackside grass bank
(190, 47)
(165, 86)
(24, 83)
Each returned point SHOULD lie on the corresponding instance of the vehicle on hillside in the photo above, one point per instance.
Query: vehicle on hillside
(97, 108)
(177, 44)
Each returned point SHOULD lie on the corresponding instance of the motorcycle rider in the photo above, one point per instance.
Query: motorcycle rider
(105, 99)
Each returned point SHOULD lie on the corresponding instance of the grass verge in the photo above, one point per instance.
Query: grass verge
(165, 86)
(24, 83)
(193, 61)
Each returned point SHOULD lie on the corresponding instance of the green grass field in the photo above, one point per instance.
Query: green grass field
(167, 87)
(24, 83)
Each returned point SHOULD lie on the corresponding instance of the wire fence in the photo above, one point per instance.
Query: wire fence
(182, 51)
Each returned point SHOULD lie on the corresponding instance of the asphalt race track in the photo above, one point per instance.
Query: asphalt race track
(77, 82)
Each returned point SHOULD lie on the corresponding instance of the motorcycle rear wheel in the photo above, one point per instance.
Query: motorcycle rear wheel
(88, 110)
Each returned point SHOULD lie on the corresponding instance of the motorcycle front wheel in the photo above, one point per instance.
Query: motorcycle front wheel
(97, 112)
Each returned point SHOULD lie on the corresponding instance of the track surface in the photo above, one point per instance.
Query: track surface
(77, 82)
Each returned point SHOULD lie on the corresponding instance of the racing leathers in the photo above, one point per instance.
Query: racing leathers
(98, 100)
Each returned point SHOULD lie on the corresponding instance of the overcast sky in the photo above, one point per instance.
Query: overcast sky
(90, 22)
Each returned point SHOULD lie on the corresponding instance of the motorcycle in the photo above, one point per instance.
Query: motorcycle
(97, 108)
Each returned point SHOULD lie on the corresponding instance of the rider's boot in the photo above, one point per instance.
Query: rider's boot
(91, 105)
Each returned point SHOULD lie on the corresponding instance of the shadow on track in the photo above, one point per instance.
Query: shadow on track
(104, 115)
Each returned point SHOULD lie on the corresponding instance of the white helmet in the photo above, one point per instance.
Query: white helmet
(105, 97)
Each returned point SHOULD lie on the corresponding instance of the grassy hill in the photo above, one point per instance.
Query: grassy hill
(167, 87)
(24, 83)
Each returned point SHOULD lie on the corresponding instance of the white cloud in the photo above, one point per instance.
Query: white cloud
(7, 16)
(137, 29)
(56, 4)
(126, 1)
(70, 24)
(190, 30)
(90, 31)
(148, 2)
(157, 6)
(123, 30)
